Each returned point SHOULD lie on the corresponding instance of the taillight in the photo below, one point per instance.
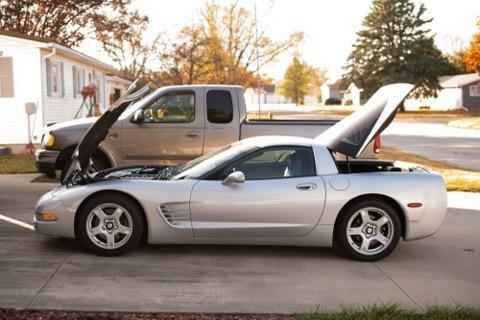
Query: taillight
(377, 144)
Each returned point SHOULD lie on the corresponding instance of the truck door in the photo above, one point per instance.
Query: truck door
(171, 130)
(222, 120)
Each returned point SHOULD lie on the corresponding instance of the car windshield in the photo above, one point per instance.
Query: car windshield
(201, 165)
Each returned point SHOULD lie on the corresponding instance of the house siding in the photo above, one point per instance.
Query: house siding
(447, 99)
(26, 88)
(29, 75)
(472, 103)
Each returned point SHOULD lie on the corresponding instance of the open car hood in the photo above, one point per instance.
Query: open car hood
(352, 135)
(97, 132)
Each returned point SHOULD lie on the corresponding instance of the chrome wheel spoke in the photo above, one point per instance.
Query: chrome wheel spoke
(99, 213)
(365, 216)
(117, 214)
(98, 230)
(382, 239)
(382, 221)
(123, 229)
(365, 244)
(354, 231)
(110, 240)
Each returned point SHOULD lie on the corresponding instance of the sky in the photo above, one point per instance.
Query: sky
(329, 26)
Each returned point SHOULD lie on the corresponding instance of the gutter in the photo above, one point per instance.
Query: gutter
(76, 55)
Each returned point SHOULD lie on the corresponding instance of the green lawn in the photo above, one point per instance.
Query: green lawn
(395, 313)
(17, 163)
(366, 313)
(469, 123)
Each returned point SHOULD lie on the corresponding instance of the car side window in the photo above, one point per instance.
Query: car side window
(219, 106)
(277, 163)
(172, 107)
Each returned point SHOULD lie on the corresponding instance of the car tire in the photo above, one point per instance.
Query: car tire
(110, 225)
(368, 230)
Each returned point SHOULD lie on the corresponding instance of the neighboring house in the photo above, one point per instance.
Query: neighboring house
(116, 86)
(457, 92)
(331, 90)
(49, 75)
(352, 96)
(266, 93)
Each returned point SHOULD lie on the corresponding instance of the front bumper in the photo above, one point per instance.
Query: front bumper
(45, 160)
(64, 225)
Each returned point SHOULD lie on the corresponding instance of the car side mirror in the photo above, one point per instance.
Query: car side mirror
(138, 116)
(234, 177)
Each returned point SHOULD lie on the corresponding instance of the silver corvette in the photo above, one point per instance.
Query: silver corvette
(260, 191)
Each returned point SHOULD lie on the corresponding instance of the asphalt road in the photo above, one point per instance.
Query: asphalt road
(436, 141)
(47, 273)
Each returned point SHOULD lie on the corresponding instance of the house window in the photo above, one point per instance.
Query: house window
(55, 86)
(78, 81)
(6, 77)
(475, 90)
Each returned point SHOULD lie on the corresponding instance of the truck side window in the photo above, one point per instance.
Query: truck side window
(219, 106)
(171, 107)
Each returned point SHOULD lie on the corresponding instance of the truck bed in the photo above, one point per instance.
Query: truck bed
(300, 128)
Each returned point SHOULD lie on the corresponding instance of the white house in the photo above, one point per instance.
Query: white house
(331, 90)
(49, 75)
(457, 92)
(265, 95)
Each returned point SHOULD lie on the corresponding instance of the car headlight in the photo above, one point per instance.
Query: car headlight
(49, 140)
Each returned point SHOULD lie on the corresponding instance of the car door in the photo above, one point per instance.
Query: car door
(172, 130)
(281, 197)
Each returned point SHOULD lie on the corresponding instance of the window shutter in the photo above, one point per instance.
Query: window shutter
(48, 68)
(62, 82)
(82, 83)
(75, 79)
(6, 77)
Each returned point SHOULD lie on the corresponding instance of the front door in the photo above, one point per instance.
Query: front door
(281, 197)
(172, 130)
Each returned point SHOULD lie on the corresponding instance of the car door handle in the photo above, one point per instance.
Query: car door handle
(306, 186)
(192, 135)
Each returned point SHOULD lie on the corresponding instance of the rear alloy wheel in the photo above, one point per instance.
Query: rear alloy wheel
(110, 225)
(368, 230)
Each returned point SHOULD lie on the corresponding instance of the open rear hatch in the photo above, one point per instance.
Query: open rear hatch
(352, 135)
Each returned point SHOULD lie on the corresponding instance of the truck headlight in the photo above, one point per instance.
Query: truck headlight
(49, 140)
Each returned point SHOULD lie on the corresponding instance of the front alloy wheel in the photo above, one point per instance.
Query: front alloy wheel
(110, 224)
(368, 230)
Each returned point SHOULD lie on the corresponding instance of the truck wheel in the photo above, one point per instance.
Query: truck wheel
(110, 225)
(368, 230)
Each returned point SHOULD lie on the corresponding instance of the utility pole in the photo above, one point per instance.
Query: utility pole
(258, 58)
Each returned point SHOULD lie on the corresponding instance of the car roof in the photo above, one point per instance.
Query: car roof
(267, 141)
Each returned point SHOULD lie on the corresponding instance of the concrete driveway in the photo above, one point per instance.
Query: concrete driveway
(46, 273)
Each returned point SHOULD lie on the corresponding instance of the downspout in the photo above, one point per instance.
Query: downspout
(43, 70)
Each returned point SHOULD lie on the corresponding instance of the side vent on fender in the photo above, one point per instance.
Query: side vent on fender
(176, 214)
